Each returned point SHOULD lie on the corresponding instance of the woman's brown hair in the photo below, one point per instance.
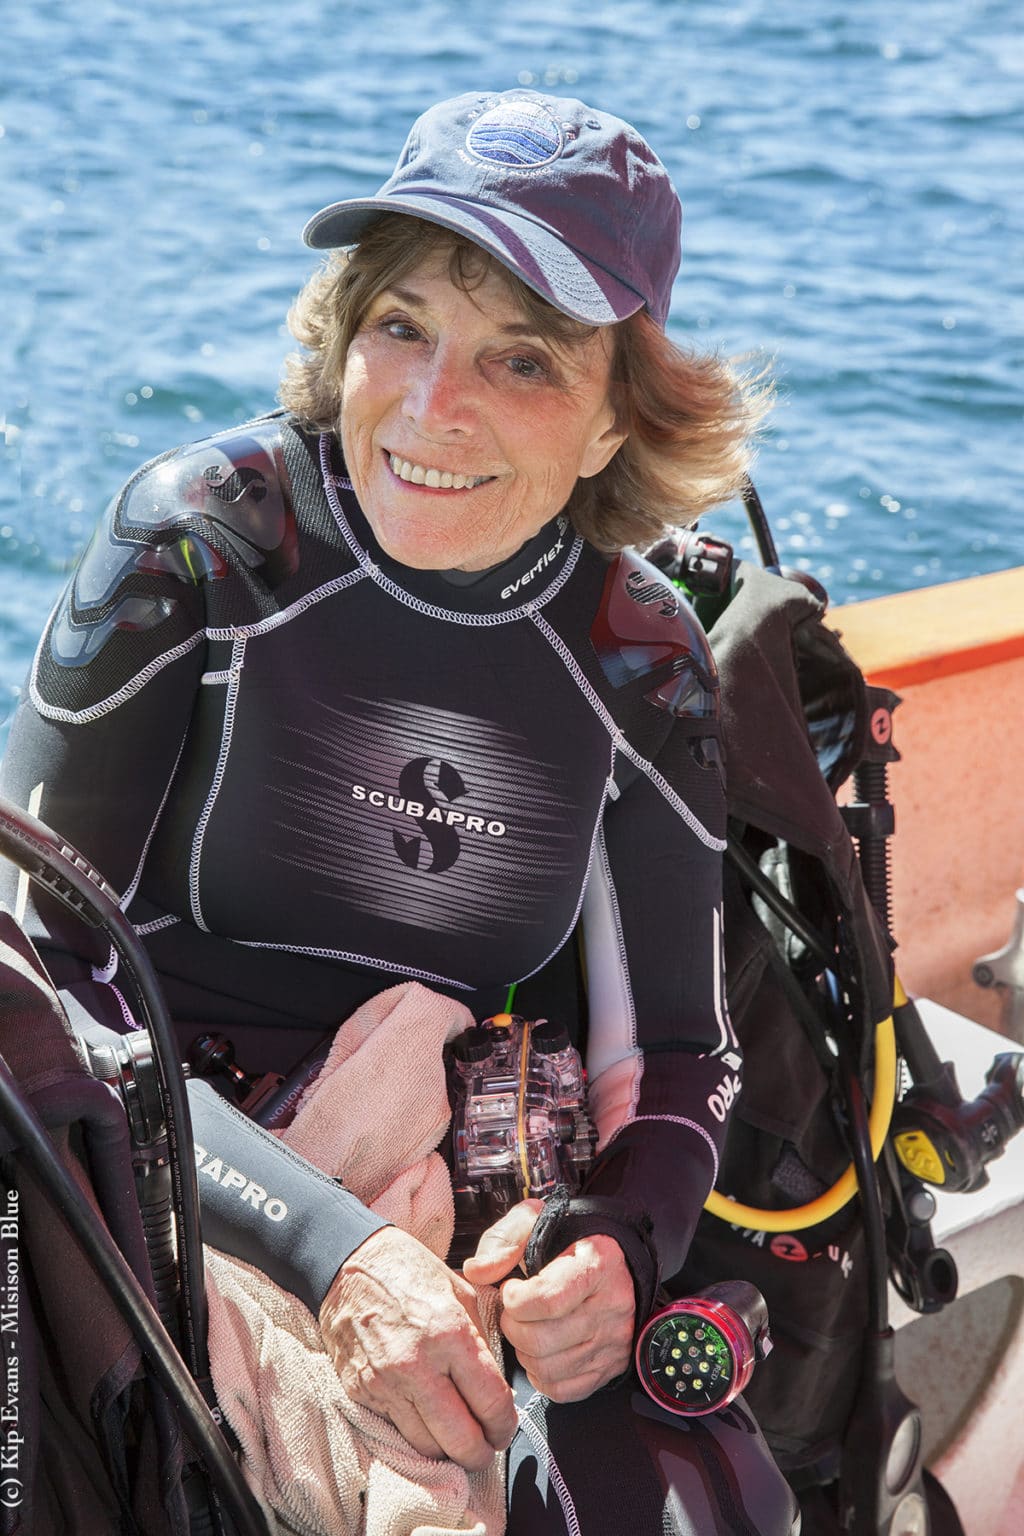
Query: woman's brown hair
(689, 417)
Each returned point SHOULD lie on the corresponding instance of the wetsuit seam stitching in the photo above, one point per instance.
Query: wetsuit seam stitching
(683, 1120)
(114, 700)
(284, 615)
(583, 889)
(540, 1445)
(321, 953)
(721, 996)
(104, 976)
(128, 895)
(126, 1012)
(625, 746)
(155, 924)
(237, 657)
(140, 680)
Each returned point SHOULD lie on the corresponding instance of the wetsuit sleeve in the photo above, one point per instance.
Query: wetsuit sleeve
(263, 1203)
(99, 730)
(661, 1053)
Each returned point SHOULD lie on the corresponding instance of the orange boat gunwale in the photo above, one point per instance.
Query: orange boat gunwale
(913, 637)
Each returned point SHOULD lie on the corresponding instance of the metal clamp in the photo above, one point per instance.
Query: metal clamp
(1004, 970)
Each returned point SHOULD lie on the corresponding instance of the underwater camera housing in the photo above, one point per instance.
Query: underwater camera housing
(519, 1119)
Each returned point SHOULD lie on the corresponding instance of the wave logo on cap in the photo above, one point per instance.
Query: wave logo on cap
(519, 133)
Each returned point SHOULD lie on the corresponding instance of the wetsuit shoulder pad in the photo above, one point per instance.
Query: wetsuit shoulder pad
(235, 480)
(184, 519)
(646, 627)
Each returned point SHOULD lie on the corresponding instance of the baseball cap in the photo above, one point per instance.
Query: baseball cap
(571, 199)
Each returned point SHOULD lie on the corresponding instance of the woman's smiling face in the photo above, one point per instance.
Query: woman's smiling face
(464, 430)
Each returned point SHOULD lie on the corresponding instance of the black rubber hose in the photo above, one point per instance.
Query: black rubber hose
(158, 1228)
(784, 910)
(758, 520)
(871, 1203)
(33, 1144)
(871, 787)
(36, 848)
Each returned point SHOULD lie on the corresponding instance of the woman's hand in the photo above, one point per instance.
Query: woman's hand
(405, 1337)
(571, 1325)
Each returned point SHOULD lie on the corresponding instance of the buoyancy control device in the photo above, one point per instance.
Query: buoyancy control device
(823, 1194)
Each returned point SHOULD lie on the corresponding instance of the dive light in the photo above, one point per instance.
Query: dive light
(696, 1354)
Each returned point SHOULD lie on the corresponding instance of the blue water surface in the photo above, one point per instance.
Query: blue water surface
(851, 174)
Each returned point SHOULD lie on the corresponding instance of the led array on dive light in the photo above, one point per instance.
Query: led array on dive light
(697, 1354)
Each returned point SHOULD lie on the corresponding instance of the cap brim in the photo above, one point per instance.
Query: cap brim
(532, 251)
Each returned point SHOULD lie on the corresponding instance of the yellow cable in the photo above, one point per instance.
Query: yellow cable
(845, 1187)
(524, 1058)
(185, 547)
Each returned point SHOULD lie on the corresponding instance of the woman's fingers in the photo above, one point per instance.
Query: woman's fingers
(404, 1335)
(408, 1420)
(488, 1397)
(503, 1245)
(438, 1424)
(572, 1324)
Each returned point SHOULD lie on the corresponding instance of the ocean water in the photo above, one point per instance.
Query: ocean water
(852, 178)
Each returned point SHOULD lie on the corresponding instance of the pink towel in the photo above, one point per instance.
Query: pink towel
(322, 1465)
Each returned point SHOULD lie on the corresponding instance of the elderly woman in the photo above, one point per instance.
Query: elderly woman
(376, 688)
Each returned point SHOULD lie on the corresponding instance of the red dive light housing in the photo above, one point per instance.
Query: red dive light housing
(698, 1353)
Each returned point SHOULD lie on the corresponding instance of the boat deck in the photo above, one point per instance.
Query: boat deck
(964, 1366)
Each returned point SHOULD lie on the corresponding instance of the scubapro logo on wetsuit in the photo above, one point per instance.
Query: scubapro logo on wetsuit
(439, 826)
(246, 1189)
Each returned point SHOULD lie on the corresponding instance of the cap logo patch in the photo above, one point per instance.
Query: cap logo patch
(519, 133)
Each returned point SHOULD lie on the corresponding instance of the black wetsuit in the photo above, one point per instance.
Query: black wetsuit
(312, 773)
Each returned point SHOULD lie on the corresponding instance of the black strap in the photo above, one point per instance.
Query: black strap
(564, 1220)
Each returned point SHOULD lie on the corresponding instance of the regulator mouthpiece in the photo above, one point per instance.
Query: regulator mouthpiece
(697, 1354)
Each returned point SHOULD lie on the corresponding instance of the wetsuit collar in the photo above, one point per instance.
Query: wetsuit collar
(513, 582)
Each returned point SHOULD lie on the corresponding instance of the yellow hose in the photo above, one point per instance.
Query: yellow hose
(524, 1062)
(506, 1021)
(845, 1187)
